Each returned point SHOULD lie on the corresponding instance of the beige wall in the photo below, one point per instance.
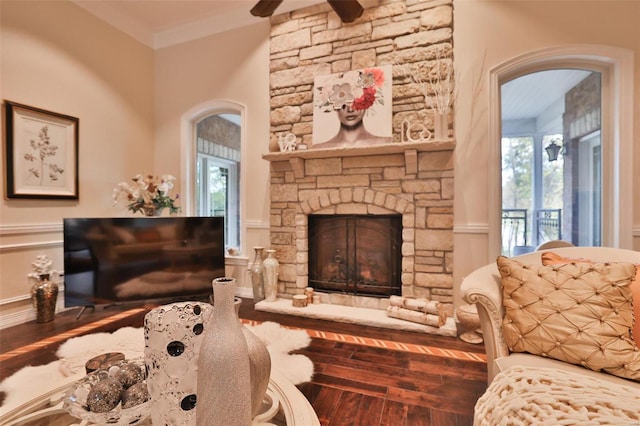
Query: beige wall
(489, 33)
(57, 57)
(129, 98)
(232, 66)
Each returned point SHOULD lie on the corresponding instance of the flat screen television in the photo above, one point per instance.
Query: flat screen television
(113, 260)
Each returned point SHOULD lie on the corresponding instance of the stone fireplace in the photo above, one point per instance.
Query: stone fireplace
(411, 180)
(355, 254)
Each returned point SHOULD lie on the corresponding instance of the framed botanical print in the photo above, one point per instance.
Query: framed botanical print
(41, 153)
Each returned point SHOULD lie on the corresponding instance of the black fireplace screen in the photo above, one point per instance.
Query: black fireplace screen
(355, 254)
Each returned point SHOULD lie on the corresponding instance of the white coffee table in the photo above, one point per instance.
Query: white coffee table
(287, 406)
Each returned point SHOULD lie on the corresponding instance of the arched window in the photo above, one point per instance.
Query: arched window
(603, 153)
(212, 140)
(551, 162)
(218, 152)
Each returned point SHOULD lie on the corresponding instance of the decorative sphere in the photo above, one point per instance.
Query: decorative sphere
(129, 374)
(104, 396)
(135, 395)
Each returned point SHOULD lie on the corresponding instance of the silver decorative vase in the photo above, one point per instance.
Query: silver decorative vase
(224, 375)
(256, 272)
(270, 266)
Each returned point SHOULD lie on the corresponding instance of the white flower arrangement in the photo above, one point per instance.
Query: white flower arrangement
(147, 194)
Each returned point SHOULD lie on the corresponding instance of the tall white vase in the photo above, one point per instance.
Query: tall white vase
(224, 382)
(270, 270)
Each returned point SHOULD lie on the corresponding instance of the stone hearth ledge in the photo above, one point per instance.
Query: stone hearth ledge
(354, 315)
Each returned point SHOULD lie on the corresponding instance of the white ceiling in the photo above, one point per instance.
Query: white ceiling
(530, 95)
(162, 23)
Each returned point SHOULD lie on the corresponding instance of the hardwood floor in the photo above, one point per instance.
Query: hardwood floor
(353, 384)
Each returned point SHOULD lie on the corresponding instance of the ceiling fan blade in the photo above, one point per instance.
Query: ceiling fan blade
(265, 8)
(347, 10)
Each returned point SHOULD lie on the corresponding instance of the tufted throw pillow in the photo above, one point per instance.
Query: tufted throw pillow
(551, 258)
(578, 312)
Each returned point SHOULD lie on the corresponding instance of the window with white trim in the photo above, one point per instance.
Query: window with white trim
(218, 172)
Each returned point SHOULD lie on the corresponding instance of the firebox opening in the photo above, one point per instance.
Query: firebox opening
(356, 254)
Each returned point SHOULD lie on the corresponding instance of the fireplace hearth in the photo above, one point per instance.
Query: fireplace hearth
(356, 254)
(413, 181)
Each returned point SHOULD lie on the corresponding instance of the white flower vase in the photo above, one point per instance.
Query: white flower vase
(173, 335)
(270, 269)
(441, 126)
(224, 377)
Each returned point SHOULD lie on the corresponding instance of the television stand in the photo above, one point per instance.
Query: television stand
(84, 308)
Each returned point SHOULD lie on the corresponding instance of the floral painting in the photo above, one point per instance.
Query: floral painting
(42, 153)
(353, 108)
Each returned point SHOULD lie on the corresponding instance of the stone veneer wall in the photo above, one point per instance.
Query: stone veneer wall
(410, 35)
(371, 184)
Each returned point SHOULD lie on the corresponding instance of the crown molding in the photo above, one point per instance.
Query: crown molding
(236, 18)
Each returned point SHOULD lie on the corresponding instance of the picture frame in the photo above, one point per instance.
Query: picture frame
(41, 153)
(353, 108)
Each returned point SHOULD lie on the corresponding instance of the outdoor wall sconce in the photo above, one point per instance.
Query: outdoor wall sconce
(553, 150)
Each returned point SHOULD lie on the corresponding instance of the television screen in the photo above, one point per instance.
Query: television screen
(111, 260)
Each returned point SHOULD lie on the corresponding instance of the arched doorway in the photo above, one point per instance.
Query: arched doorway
(616, 68)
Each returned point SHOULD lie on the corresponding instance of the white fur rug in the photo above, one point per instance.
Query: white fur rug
(30, 382)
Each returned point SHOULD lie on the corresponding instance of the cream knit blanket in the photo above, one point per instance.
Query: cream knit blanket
(549, 396)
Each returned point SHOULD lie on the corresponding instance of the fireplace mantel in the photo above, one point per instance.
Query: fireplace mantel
(410, 150)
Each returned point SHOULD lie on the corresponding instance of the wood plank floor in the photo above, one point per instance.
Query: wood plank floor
(353, 384)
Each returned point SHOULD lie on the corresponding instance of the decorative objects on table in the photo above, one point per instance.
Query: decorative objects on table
(224, 381)
(259, 369)
(173, 335)
(300, 301)
(117, 395)
(468, 317)
(270, 270)
(103, 361)
(44, 291)
(148, 194)
(42, 153)
(256, 272)
(74, 353)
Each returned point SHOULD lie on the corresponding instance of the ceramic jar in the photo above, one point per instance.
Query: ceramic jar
(270, 266)
(173, 335)
(224, 378)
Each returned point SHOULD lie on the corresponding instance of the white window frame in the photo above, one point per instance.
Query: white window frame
(188, 154)
(233, 191)
(616, 66)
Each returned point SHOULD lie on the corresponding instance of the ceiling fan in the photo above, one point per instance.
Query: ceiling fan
(347, 10)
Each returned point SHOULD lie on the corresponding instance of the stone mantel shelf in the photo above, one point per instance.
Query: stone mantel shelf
(410, 150)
